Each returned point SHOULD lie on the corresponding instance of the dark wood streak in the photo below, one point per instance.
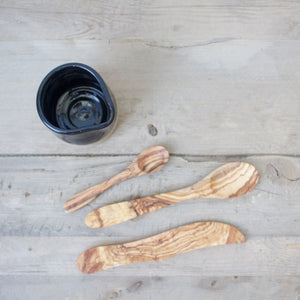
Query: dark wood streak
(248, 186)
(223, 177)
(163, 157)
(132, 206)
(145, 205)
(98, 215)
(219, 175)
(95, 268)
(145, 167)
(89, 261)
(71, 205)
(150, 153)
(232, 236)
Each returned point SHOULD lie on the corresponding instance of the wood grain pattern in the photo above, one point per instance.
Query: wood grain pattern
(159, 247)
(147, 162)
(219, 86)
(175, 21)
(229, 181)
(138, 287)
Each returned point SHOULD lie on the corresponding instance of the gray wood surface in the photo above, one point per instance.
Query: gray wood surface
(229, 98)
(38, 238)
(220, 82)
(150, 287)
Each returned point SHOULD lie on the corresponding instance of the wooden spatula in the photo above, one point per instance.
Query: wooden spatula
(159, 247)
(231, 180)
(147, 162)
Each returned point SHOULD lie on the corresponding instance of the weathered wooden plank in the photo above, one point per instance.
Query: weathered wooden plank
(149, 287)
(33, 190)
(56, 256)
(235, 97)
(90, 6)
(168, 21)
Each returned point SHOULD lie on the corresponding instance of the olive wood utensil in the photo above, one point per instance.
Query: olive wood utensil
(159, 247)
(230, 180)
(147, 162)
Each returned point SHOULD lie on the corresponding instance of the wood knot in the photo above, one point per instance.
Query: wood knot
(152, 130)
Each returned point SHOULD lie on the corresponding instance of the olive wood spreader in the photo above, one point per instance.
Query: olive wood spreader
(230, 180)
(159, 247)
(147, 162)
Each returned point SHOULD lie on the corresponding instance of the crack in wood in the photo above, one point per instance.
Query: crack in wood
(198, 44)
(279, 174)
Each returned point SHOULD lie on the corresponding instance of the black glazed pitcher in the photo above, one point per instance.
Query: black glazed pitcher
(74, 102)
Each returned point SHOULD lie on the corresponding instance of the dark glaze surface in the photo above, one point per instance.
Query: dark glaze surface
(76, 116)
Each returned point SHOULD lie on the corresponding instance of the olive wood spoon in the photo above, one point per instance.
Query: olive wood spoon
(159, 247)
(230, 180)
(147, 162)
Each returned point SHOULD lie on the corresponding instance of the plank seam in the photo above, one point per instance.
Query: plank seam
(217, 156)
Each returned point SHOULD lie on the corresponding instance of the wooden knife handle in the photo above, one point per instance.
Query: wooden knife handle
(159, 247)
(85, 197)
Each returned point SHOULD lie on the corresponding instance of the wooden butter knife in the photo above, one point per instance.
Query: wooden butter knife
(159, 247)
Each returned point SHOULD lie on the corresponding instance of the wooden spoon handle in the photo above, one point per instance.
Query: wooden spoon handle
(85, 197)
(159, 247)
(123, 211)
